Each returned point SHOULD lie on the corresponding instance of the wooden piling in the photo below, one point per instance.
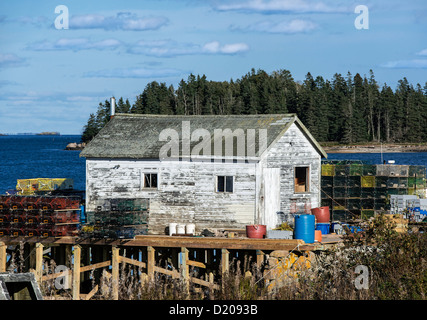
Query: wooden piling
(150, 262)
(76, 272)
(115, 272)
(3, 257)
(39, 262)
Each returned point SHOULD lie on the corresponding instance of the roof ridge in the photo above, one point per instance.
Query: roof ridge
(205, 115)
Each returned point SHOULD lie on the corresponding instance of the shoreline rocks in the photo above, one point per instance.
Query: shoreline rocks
(75, 146)
(375, 148)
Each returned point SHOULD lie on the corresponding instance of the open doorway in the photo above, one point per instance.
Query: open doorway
(302, 179)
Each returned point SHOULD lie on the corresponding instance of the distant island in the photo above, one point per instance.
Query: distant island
(47, 133)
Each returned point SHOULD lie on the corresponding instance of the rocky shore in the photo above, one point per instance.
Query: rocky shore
(75, 146)
(376, 148)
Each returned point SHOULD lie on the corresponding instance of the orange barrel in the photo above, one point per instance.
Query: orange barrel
(256, 231)
(318, 235)
(322, 214)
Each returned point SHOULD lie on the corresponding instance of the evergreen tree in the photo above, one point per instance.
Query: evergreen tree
(90, 129)
(346, 110)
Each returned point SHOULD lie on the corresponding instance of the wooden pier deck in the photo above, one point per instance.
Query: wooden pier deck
(211, 255)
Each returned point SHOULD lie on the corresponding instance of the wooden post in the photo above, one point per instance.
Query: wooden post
(259, 258)
(76, 272)
(3, 257)
(225, 260)
(184, 266)
(115, 272)
(150, 262)
(39, 262)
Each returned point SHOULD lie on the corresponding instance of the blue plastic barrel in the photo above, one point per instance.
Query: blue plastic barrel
(323, 227)
(304, 227)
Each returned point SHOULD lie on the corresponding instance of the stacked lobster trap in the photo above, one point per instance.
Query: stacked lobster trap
(40, 216)
(356, 189)
(117, 218)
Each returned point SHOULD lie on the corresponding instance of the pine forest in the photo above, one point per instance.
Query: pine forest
(347, 110)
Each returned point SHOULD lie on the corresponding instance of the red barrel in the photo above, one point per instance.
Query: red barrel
(322, 214)
(256, 231)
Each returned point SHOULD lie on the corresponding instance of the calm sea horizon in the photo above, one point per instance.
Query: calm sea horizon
(33, 156)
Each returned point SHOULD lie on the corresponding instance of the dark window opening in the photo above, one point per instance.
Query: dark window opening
(301, 179)
(150, 180)
(224, 184)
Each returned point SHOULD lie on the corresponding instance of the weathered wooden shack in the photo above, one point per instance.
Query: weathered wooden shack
(214, 171)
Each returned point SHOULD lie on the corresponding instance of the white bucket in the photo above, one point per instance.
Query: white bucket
(172, 228)
(190, 228)
(180, 228)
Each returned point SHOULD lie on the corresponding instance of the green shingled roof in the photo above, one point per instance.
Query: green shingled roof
(137, 136)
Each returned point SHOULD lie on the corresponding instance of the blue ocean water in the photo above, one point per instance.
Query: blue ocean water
(25, 157)
(403, 158)
(32, 156)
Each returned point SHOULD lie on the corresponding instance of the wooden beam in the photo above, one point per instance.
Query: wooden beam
(115, 272)
(95, 266)
(196, 264)
(172, 273)
(184, 268)
(3, 257)
(56, 275)
(225, 260)
(205, 283)
(92, 293)
(39, 262)
(151, 262)
(76, 272)
(134, 262)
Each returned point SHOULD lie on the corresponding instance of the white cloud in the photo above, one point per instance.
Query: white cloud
(10, 60)
(422, 52)
(406, 64)
(74, 44)
(135, 73)
(284, 27)
(171, 48)
(282, 6)
(233, 48)
(122, 21)
(156, 48)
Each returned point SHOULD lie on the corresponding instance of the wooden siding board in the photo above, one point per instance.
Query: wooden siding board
(185, 194)
(186, 190)
(290, 151)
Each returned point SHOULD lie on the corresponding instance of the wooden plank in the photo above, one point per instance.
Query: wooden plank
(173, 273)
(56, 275)
(95, 266)
(92, 293)
(215, 243)
(3, 257)
(196, 264)
(39, 262)
(151, 262)
(134, 262)
(173, 242)
(76, 272)
(115, 272)
(183, 266)
(225, 259)
(205, 283)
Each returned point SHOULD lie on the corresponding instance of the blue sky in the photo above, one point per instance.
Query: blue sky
(52, 79)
